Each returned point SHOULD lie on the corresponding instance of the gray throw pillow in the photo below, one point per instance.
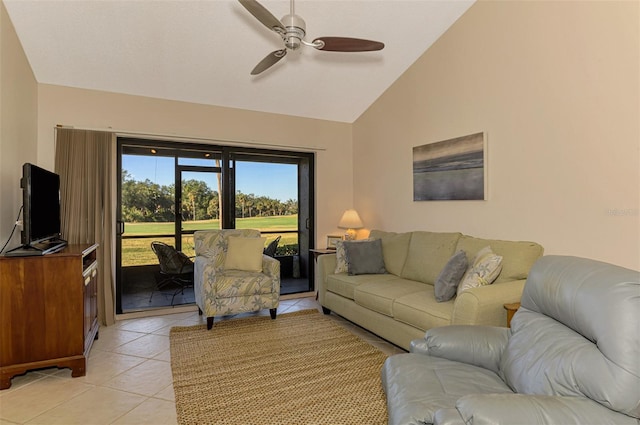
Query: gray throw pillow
(450, 277)
(364, 257)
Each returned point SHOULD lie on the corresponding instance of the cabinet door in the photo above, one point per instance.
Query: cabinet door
(90, 302)
(41, 308)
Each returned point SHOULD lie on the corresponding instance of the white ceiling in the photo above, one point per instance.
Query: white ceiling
(203, 51)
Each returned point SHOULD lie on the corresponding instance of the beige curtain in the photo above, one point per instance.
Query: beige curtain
(84, 161)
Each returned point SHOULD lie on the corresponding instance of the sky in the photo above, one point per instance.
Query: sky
(276, 181)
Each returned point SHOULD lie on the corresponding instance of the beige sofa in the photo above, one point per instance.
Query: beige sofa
(400, 305)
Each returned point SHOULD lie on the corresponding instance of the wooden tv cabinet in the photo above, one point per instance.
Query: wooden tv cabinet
(48, 311)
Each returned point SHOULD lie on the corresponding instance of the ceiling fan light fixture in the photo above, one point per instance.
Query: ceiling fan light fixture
(295, 31)
(292, 29)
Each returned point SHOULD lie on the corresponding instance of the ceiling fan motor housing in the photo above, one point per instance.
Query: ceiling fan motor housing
(295, 27)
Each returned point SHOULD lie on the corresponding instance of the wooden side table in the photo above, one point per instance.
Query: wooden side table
(511, 310)
(318, 252)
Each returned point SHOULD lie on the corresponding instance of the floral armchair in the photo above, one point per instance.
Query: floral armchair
(221, 291)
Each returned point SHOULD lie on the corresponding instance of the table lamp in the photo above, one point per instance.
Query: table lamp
(351, 221)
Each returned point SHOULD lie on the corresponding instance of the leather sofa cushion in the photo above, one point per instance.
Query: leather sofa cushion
(395, 247)
(344, 285)
(418, 386)
(517, 256)
(422, 311)
(428, 254)
(380, 295)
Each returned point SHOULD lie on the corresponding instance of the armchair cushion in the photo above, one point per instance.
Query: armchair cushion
(244, 254)
(418, 386)
(508, 409)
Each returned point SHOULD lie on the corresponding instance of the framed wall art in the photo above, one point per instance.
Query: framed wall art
(331, 241)
(453, 169)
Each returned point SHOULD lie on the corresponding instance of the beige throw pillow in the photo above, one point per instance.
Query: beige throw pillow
(484, 270)
(244, 254)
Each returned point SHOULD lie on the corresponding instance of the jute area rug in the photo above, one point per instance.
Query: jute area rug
(301, 368)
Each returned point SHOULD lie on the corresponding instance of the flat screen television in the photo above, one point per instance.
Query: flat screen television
(41, 205)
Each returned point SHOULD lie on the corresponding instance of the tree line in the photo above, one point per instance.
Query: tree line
(146, 201)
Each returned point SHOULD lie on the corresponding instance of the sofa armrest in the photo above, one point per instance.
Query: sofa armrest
(325, 266)
(480, 346)
(497, 409)
(484, 305)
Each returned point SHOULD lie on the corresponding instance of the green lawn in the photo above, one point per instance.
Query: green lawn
(138, 251)
(285, 222)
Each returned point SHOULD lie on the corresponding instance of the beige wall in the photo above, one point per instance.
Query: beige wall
(18, 125)
(555, 85)
(94, 109)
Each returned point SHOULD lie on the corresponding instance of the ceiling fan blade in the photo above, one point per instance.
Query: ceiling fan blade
(346, 44)
(270, 60)
(262, 14)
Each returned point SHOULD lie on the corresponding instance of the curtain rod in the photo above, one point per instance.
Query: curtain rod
(158, 136)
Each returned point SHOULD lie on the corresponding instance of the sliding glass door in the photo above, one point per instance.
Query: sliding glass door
(167, 191)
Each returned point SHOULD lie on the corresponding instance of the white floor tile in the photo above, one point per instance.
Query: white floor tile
(128, 378)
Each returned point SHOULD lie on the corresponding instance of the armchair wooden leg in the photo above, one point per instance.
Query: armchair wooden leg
(209, 323)
(273, 312)
(325, 310)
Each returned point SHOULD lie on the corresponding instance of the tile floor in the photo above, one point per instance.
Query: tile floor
(128, 378)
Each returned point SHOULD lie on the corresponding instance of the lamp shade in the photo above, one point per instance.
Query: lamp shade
(350, 220)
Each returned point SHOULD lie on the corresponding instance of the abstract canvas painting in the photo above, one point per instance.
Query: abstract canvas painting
(452, 169)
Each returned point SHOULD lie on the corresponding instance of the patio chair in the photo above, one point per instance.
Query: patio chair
(175, 267)
(270, 250)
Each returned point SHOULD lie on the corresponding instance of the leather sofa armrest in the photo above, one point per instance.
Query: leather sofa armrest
(448, 416)
(485, 305)
(325, 266)
(476, 345)
(507, 409)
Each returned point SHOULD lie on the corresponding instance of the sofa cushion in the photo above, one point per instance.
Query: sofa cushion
(379, 295)
(428, 254)
(344, 285)
(421, 310)
(417, 386)
(449, 278)
(517, 256)
(364, 257)
(395, 247)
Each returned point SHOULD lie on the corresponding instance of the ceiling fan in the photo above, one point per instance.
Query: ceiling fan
(292, 30)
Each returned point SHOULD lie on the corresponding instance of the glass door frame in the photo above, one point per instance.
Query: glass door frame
(228, 155)
(179, 229)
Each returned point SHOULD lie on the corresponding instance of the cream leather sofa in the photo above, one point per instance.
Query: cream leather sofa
(571, 357)
(400, 305)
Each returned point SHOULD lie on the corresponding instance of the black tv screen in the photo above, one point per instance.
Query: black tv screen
(41, 203)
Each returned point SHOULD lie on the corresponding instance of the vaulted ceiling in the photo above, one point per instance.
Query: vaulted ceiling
(203, 51)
